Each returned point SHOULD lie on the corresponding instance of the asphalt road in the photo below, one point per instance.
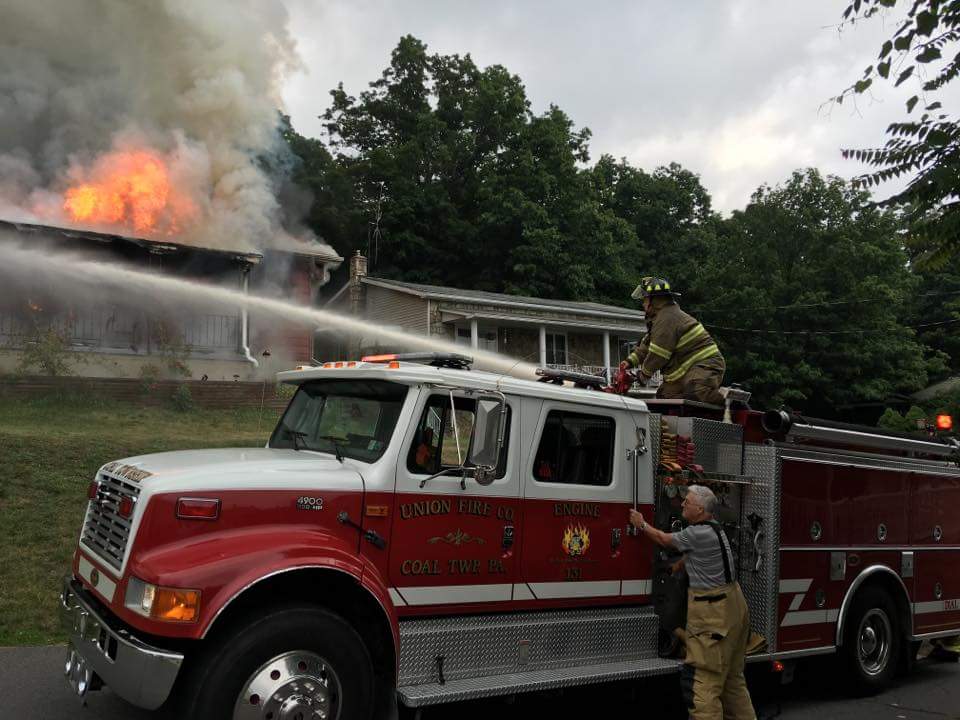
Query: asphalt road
(32, 687)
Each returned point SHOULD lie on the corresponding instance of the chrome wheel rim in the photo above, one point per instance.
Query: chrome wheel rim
(873, 642)
(298, 685)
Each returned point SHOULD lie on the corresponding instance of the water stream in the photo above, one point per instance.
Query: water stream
(65, 271)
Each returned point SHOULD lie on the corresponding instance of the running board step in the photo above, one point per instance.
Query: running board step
(456, 648)
(496, 685)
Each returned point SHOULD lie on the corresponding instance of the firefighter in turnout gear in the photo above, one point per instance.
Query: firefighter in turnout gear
(718, 622)
(676, 345)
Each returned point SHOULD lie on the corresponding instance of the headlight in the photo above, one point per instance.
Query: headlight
(162, 603)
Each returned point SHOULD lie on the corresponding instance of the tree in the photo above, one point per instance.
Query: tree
(935, 310)
(923, 48)
(469, 187)
(805, 292)
(668, 210)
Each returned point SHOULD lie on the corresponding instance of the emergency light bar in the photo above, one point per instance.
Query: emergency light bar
(448, 360)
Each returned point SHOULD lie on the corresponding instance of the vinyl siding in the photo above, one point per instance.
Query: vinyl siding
(386, 307)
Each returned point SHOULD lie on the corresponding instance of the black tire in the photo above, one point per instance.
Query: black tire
(872, 642)
(296, 636)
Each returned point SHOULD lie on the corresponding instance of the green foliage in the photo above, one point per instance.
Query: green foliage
(182, 399)
(49, 353)
(937, 308)
(892, 420)
(923, 46)
(806, 291)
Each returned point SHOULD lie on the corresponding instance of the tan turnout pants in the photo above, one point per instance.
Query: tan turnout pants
(701, 382)
(718, 626)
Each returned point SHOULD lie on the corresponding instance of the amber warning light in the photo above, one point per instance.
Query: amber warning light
(944, 422)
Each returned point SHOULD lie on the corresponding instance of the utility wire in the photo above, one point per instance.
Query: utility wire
(829, 303)
(829, 332)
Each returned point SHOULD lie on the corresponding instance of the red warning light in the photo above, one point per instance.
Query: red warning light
(944, 422)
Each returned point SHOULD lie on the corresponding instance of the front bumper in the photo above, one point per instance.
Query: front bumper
(139, 673)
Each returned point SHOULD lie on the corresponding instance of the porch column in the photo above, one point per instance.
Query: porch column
(474, 334)
(606, 353)
(543, 346)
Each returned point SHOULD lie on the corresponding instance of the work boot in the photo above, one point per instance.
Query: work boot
(941, 654)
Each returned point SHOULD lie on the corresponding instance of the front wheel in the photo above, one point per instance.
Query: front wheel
(872, 642)
(299, 663)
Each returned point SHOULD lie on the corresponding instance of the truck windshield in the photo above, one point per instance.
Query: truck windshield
(349, 418)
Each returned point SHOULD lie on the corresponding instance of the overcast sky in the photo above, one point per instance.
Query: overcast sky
(731, 89)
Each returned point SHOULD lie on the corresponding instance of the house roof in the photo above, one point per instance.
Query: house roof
(164, 246)
(939, 388)
(437, 292)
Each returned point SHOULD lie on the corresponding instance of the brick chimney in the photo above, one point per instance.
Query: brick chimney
(358, 271)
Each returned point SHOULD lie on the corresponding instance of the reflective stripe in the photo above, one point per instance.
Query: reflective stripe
(690, 335)
(453, 594)
(662, 352)
(633, 359)
(707, 352)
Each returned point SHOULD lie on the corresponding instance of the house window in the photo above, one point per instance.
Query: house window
(556, 349)
(486, 338)
(575, 449)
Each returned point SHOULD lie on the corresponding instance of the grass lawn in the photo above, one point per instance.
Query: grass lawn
(50, 449)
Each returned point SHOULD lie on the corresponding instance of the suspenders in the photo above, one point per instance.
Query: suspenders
(715, 526)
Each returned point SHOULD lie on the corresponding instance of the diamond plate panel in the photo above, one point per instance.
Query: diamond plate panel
(762, 464)
(485, 645)
(653, 433)
(473, 689)
(709, 436)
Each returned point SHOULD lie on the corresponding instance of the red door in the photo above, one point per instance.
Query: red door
(453, 542)
(577, 488)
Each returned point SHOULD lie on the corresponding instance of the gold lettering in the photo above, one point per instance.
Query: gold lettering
(495, 566)
(574, 573)
(420, 567)
(464, 567)
(578, 509)
(424, 508)
(473, 507)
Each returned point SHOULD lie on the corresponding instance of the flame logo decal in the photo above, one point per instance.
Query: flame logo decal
(576, 540)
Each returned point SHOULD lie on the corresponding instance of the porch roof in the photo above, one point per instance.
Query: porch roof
(520, 320)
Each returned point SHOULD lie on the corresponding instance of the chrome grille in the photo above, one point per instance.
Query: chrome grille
(104, 531)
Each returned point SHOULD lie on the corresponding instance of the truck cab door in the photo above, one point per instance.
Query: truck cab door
(577, 489)
(453, 540)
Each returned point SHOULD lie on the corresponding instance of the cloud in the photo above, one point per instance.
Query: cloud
(733, 90)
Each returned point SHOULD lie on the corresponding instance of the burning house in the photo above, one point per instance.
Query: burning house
(123, 336)
(148, 136)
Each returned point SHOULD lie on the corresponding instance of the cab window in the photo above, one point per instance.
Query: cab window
(575, 449)
(435, 444)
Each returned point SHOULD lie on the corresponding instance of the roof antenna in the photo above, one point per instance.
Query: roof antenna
(374, 235)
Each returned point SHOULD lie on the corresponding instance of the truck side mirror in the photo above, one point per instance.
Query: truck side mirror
(486, 439)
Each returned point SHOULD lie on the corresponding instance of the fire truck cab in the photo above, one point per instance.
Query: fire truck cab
(418, 533)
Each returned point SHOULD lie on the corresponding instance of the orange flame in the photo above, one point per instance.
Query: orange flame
(132, 189)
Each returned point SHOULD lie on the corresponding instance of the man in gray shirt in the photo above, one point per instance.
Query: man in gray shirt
(718, 623)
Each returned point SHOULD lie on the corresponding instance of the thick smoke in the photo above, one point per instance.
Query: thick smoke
(194, 82)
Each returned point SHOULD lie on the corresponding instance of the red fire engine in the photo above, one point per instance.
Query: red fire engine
(421, 533)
